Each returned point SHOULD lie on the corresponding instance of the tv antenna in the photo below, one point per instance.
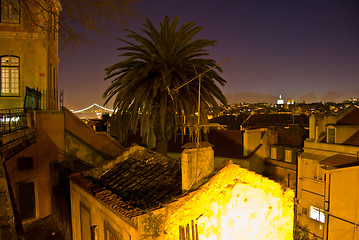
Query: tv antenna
(199, 76)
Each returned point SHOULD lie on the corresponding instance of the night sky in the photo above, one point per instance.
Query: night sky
(303, 49)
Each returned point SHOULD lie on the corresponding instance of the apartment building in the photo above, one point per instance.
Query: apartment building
(327, 181)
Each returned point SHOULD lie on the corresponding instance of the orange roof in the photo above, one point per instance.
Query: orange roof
(144, 180)
(350, 117)
(353, 140)
(340, 161)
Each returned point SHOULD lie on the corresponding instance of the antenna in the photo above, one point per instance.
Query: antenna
(199, 108)
(199, 76)
(197, 126)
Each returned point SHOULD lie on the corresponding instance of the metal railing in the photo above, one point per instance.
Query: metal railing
(188, 232)
(43, 99)
(12, 120)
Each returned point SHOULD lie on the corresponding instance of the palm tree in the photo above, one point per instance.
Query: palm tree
(156, 64)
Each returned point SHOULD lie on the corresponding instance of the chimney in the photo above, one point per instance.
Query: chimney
(197, 163)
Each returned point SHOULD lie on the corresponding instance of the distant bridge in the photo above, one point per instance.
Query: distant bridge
(93, 105)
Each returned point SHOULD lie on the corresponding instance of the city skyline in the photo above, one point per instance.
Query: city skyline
(303, 50)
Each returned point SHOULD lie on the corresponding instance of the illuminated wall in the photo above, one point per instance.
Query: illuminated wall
(234, 204)
(38, 59)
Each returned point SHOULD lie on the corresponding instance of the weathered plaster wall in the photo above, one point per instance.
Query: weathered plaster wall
(100, 142)
(33, 61)
(79, 148)
(197, 163)
(344, 132)
(234, 204)
(99, 214)
(44, 153)
(343, 210)
(51, 124)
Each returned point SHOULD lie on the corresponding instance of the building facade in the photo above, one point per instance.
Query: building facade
(28, 56)
(272, 143)
(325, 199)
(140, 196)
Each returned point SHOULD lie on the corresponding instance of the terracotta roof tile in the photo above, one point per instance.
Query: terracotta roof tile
(144, 180)
(106, 196)
(349, 117)
(294, 136)
(340, 161)
(353, 140)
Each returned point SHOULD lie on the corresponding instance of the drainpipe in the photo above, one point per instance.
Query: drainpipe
(288, 179)
(296, 195)
(356, 208)
(327, 210)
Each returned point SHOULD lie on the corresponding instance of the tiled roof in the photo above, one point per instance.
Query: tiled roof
(106, 196)
(143, 180)
(340, 161)
(349, 117)
(269, 120)
(353, 140)
(294, 136)
(226, 143)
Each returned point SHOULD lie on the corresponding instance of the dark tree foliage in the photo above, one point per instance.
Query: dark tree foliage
(147, 85)
(71, 19)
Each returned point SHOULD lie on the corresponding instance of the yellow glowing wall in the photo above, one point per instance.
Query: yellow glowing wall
(234, 204)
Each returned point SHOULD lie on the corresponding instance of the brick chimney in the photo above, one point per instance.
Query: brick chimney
(197, 163)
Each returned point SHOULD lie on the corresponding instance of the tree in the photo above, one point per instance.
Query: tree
(155, 64)
(70, 18)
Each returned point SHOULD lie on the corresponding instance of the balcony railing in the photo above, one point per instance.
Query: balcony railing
(13, 119)
(36, 99)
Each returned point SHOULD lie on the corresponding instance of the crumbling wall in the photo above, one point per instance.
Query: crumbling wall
(234, 204)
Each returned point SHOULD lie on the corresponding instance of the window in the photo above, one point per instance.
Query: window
(320, 172)
(111, 233)
(273, 153)
(10, 70)
(288, 155)
(85, 219)
(26, 199)
(305, 211)
(317, 214)
(9, 11)
(315, 169)
(25, 163)
(115, 234)
(331, 135)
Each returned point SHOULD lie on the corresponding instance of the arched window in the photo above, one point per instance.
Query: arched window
(9, 11)
(10, 80)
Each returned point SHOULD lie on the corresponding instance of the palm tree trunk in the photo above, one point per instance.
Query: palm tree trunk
(161, 145)
(160, 127)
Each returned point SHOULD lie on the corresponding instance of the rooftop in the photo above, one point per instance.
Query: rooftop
(294, 136)
(349, 116)
(138, 180)
(353, 140)
(340, 161)
(270, 120)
